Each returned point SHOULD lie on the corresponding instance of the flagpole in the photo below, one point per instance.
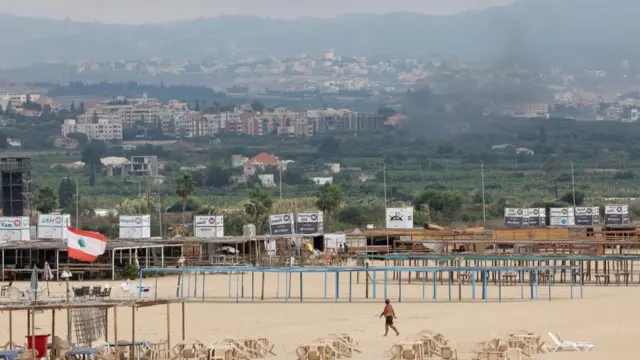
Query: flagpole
(33, 314)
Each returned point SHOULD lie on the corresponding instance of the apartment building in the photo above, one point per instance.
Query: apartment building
(178, 105)
(144, 165)
(18, 99)
(298, 127)
(193, 125)
(98, 126)
(331, 120)
(144, 100)
(243, 123)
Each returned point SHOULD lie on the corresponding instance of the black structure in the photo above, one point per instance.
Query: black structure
(15, 173)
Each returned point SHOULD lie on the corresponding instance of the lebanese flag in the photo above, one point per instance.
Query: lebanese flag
(85, 245)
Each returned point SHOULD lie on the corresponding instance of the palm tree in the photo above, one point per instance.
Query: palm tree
(329, 198)
(184, 189)
(46, 200)
(258, 206)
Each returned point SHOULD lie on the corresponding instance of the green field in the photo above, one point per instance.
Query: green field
(605, 158)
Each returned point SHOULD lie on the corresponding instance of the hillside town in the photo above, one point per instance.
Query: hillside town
(110, 120)
(514, 92)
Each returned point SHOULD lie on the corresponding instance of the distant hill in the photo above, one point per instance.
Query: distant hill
(537, 32)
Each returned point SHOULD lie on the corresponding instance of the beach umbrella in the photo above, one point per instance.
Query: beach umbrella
(34, 281)
(47, 275)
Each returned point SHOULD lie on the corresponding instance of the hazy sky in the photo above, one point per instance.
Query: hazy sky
(151, 11)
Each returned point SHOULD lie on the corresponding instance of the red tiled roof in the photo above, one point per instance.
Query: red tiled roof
(263, 159)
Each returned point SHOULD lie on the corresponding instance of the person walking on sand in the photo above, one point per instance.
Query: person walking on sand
(389, 314)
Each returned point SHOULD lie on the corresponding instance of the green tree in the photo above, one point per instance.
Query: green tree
(542, 135)
(257, 106)
(568, 197)
(81, 108)
(80, 137)
(46, 200)
(66, 192)
(439, 202)
(185, 188)
(217, 177)
(3, 141)
(330, 147)
(258, 207)
(92, 153)
(72, 109)
(329, 198)
(386, 112)
(354, 215)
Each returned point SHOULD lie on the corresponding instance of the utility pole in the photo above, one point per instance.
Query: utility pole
(160, 210)
(280, 179)
(384, 179)
(29, 197)
(573, 189)
(139, 198)
(77, 204)
(484, 209)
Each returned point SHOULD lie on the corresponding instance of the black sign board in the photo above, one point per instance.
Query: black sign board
(616, 214)
(512, 217)
(281, 224)
(309, 223)
(587, 216)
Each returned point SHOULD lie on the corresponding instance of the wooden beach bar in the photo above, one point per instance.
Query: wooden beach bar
(85, 341)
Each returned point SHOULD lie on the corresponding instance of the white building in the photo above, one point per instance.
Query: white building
(106, 128)
(19, 99)
(322, 180)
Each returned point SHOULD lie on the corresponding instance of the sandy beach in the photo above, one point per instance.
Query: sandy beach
(606, 315)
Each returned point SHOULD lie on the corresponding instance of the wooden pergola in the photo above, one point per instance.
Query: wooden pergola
(54, 306)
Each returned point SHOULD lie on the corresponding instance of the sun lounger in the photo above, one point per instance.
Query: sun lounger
(560, 345)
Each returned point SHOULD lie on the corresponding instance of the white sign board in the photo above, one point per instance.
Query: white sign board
(14, 228)
(208, 226)
(135, 226)
(399, 218)
(561, 217)
(53, 226)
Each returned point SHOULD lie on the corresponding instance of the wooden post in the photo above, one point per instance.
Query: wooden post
(133, 331)
(52, 355)
(168, 326)
(10, 327)
(28, 322)
(184, 329)
(106, 324)
(115, 329)
(366, 292)
(69, 329)
(262, 289)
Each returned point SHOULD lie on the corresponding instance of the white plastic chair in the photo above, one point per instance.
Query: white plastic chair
(560, 345)
(126, 291)
(15, 294)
